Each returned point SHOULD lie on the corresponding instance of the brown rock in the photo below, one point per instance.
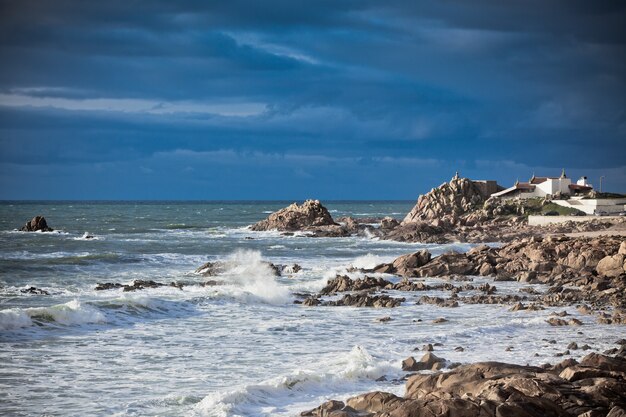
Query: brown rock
(297, 217)
(611, 266)
(428, 362)
(37, 224)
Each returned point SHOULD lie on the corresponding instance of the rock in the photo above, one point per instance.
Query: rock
(405, 265)
(384, 319)
(211, 269)
(107, 286)
(389, 223)
(138, 284)
(331, 409)
(374, 402)
(311, 301)
(297, 217)
(34, 290)
(428, 347)
(491, 389)
(611, 266)
(428, 362)
(37, 224)
(343, 283)
(448, 201)
(440, 320)
(358, 300)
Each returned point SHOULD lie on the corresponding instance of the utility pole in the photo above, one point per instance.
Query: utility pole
(601, 178)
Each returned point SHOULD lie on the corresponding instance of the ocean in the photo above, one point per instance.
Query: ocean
(238, 349)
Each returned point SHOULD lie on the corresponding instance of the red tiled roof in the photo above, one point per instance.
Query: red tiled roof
(579, 187)
(539, 180)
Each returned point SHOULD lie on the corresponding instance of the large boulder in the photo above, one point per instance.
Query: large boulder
(611, 266)
(448, 201)
(38, 223)
(405, 265)
(296, 217)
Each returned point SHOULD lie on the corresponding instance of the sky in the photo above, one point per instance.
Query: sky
(286, 99)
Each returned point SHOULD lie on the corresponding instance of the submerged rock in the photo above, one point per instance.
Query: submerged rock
(34, 290)
(37, 224)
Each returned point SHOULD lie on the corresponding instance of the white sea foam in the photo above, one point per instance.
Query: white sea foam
(348, 372)
(14, 318)
(249, 277)
(71, 313)
(368, 261)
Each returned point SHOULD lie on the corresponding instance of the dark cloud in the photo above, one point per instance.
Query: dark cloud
(538, 84)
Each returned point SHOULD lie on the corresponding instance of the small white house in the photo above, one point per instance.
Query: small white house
(546, 187)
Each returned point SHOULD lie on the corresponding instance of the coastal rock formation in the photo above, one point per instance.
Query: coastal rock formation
(343, 283)
(594, 387)
(405, 265)
(138, 284)
(214, 268)
(533, 259)
(357, 300)
(447, 202)
(37, 224)
(296, 217)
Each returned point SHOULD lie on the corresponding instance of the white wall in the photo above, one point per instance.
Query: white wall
(543, 220)
(591, 206)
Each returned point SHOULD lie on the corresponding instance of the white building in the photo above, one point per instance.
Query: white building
(546, 187)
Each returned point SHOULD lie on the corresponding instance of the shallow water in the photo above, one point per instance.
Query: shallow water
(238, 349)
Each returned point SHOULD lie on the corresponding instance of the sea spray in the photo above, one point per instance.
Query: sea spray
(248, 276)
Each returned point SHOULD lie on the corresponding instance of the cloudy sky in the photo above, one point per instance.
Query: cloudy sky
(285, 99)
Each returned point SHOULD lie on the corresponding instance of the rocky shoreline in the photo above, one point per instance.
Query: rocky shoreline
(595, 386)
(585, 273)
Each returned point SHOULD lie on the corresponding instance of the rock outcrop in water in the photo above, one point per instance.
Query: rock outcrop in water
(594, 387)
(37, 224)
(310, 214)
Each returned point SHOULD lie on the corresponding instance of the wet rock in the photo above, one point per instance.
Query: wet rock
(37, 224)
(440, 320)
(438, 301)
(296, 217)
(553, 321)
(34, 290)
(211, 269)
(138, 284)
(108, 286)
(343, 283)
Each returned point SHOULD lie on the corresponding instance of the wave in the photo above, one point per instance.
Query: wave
(351, 372)
(125, 309)
(88, 236)
(71, 313)
(249, 277)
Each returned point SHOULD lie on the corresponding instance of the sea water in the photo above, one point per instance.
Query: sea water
(242, 348)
